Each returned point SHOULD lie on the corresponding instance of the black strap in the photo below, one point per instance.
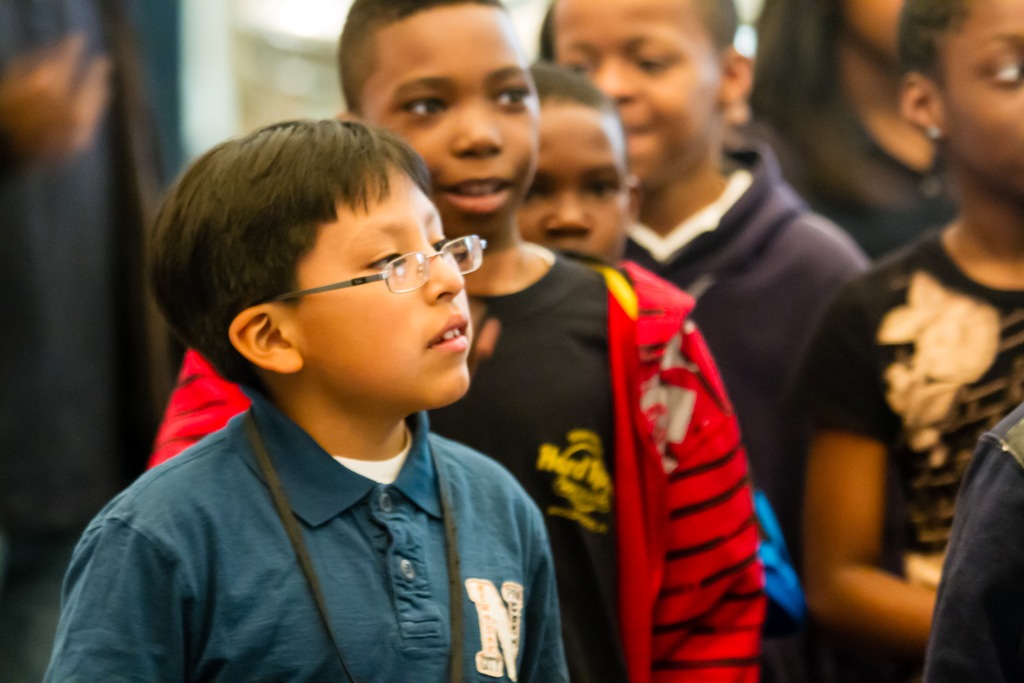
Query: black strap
(305, 562)
(451, 552)
(294, 533)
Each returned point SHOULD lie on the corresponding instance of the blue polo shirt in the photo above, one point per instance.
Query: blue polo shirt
(188, 575)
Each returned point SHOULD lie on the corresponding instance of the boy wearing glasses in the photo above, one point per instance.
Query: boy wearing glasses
(306, 262)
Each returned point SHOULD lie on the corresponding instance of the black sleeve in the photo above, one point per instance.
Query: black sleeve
(840, 382)
(978, 631)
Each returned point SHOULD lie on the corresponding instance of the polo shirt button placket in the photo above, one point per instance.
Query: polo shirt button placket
(386, 505)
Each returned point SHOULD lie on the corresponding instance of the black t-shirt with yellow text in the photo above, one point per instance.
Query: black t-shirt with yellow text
(542, 406)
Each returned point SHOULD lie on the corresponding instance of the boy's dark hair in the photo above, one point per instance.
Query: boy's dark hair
(721, 20)
(923, 25)
(546, 39)
(719, 17)
(356, 53)
(232, 229)
(560, 84)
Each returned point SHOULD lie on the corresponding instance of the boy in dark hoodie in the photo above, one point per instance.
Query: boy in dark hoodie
(722, 226)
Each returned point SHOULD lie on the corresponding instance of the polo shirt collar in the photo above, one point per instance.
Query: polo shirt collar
(418, 479)
(318, 488)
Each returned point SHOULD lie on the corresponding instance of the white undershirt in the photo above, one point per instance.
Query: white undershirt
(663, 249)
(380, 471)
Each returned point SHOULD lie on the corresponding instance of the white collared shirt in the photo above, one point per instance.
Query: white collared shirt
(664, 249)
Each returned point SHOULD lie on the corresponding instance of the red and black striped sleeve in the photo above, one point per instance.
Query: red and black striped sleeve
(710, 610)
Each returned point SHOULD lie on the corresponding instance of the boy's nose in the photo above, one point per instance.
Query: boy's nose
(613, 79)
(443, 277)
(569, 212)
(478, 133)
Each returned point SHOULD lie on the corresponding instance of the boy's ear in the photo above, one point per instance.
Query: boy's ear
(266, 336)
(737, 80)
(921, 104)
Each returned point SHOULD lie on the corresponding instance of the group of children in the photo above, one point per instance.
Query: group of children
(328, 278)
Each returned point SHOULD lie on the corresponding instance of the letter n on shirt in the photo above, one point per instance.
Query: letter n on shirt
(500, 619)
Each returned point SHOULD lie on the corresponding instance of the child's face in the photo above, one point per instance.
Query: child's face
(656, 59)
(365, 348)
(454, 83)
(582, 197)
(983, 98)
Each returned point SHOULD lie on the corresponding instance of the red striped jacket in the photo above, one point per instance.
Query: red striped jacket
(691, 598)
(691, 586)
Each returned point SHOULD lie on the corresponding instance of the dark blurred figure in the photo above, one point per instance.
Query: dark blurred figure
(826, 86)
(84, 363)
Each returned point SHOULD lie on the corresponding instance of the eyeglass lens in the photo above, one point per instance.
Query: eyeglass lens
(409, 272)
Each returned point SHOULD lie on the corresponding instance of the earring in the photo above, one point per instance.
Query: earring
(933, 133)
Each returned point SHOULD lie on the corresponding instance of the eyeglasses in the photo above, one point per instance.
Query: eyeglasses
(409, 272)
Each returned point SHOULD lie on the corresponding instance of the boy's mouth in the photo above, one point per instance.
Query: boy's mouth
(453, 336)
(478, 196)
(567, 233)
(637, 130)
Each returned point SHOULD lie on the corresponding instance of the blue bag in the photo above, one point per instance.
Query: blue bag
(787, 608)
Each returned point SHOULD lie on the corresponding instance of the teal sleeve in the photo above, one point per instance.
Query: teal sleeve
(544, 653)
(121, 617)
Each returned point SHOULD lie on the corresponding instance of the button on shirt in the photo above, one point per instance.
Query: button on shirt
(188, 575)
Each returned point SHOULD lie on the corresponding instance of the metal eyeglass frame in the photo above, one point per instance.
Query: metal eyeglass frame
(473, 243)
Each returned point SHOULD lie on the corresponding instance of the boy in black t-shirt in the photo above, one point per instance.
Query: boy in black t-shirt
(451, 78)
